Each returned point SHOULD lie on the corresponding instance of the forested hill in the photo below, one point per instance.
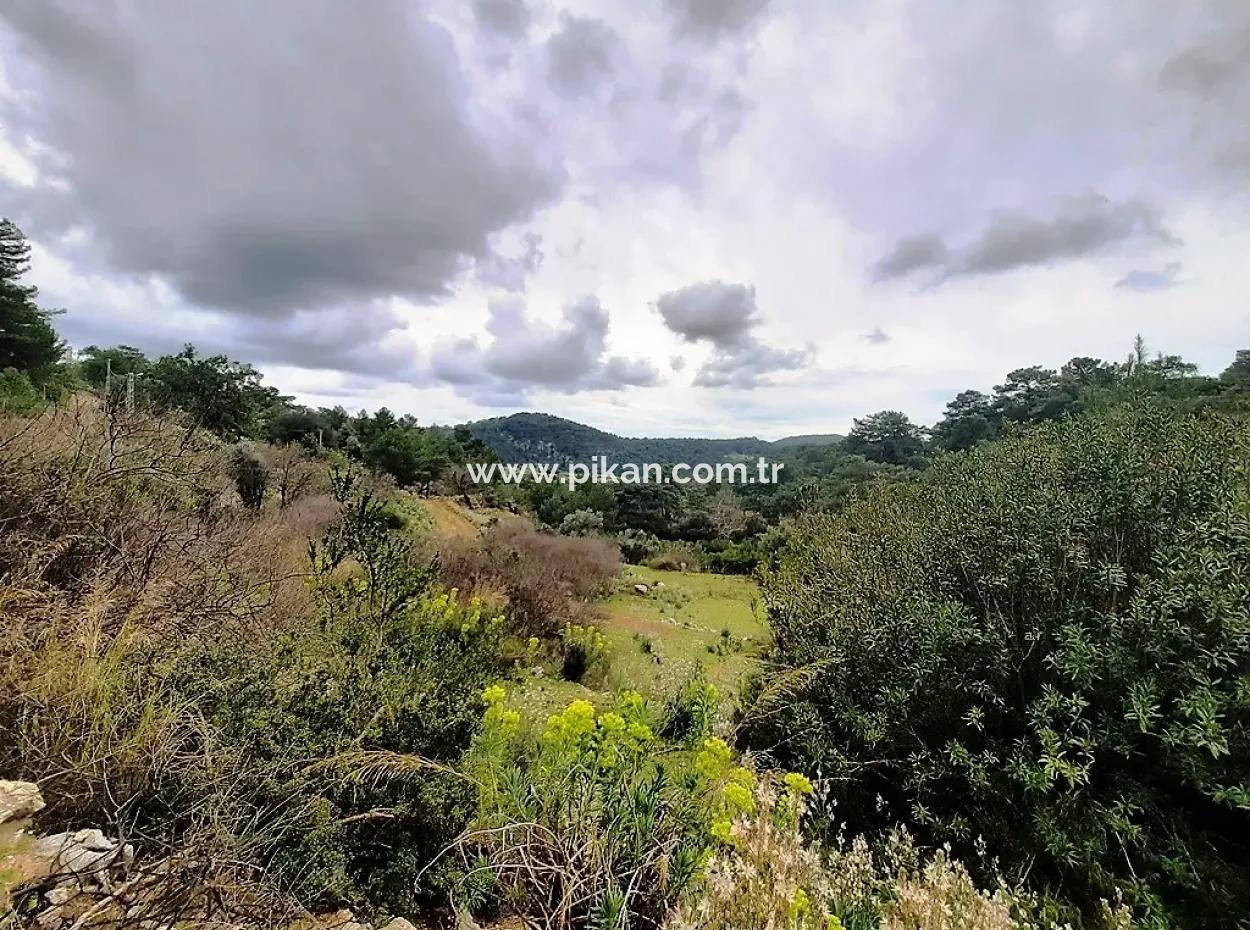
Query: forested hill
(540, 437)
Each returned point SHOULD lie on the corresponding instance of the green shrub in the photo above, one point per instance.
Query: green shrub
(1043, 646)
(595, 823)
(250, 478)
(348, 732)
(346, 726)
(17, 394)
(583, 654)
(676, 559)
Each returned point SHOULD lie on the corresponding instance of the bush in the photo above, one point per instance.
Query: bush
(675, 559)
(637, 545)
(348, 731)
(583, 654)
(733, 559)
(1042, 645)
(582, 523)
(250, 478)
(545, 579)
(593, 824)
(172, 667)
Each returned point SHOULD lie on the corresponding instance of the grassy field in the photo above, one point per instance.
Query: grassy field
(684, 623)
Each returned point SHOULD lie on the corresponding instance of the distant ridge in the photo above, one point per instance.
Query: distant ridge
(541, 437)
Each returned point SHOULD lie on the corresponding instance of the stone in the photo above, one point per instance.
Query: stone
(81, 852)
(641, 589)
(399, 923)
(19, 800)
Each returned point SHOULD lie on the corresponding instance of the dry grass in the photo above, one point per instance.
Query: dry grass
(547, 580)
(122, 550)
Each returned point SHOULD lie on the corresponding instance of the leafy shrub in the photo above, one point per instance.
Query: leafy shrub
(250, 478)
(583, 653)
(349, 724)
(592, 824)
(545, 579)
(690, 714)
(582, 523)
(17, 394)
(740, 558)
(675, 559)
(348, 732)
(637, 545)
(1042, 645)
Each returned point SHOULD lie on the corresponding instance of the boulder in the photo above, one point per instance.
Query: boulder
(641, 589)
(82, 852)
(399, 923)
(19, 800)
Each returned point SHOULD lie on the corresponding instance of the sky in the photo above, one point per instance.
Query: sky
(662, 217)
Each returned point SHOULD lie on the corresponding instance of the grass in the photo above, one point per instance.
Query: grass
(683, 623)
(452, 520)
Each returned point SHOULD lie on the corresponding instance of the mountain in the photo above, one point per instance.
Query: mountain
(540, 437)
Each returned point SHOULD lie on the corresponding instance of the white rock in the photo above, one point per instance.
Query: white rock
(641, 589)
(19, 799)
(80, 852)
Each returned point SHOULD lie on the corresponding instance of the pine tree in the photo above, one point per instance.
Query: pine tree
(28, 342)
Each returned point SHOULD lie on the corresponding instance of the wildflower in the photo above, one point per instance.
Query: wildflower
(493, 695)
(712, 758)
(612, 723)
(742, 776)
(739, 798)
(640, 732)
(721, 829)
(798, 784)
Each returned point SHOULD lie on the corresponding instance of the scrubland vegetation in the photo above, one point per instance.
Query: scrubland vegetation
(998, 677)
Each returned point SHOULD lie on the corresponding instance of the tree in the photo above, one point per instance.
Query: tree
(969, 419)
(1040, 648)
(1239, 371)
(95, 365)
(219, 395)
(412, 456)
(293, 474)
(28, 342)
(1086, 372)
(1029, 395)
(889, 437)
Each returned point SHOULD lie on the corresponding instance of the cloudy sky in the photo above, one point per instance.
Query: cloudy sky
(696, 217)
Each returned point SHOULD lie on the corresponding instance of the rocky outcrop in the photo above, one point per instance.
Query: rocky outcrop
(19, 800)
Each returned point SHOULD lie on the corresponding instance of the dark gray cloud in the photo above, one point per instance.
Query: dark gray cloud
(713, 19)
(720, 313)
(509, 18)
(1078, 227)
(911, 254)
(581, 55)
(1161, 279)
(296, 154)
(725, 315)
(524, 354)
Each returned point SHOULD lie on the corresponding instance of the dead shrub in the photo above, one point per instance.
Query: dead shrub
(547, 580)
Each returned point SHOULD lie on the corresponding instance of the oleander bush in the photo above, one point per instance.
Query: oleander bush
(1040, 648)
